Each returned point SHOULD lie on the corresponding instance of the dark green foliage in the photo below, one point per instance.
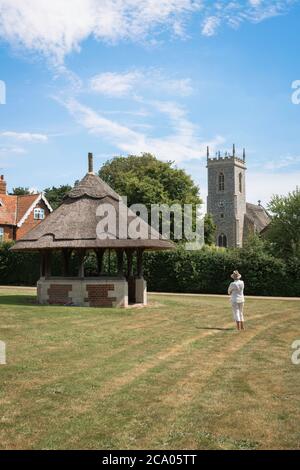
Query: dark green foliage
(146, 180)
(20, 191)
(205, 271)
(284, 230)
(208, 271)
(209, 230)
(55, 195)
(18, 268)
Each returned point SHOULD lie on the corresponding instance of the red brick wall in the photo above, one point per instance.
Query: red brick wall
(59, 294)
(8, 232)
(30, 222)
(98, 295)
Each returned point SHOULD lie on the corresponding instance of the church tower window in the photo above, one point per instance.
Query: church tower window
(241, 182)
(222, 241)
(221, 182)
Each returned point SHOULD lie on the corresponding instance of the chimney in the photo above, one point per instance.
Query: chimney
(2, 185)
(91, 163)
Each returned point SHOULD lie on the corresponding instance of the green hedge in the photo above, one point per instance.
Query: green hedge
(208, 272)
(205, 271)
(21, 269)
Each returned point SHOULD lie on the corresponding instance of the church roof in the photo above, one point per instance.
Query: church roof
(74, 223)
(258, 216)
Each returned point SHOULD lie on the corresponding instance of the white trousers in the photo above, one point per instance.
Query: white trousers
(238, 311)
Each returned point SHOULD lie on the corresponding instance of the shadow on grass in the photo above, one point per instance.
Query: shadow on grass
(19, 299)
(211, 328)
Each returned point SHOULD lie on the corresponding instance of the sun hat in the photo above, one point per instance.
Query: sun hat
(236, 275)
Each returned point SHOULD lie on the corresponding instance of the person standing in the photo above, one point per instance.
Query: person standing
(236, 291)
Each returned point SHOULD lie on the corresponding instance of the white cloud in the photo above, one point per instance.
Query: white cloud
(233, 13)
(57, 27)
(114, 84)
(131, 82)
(12, 150)
(180, 145)
(210, 25)
(282, 163)
(24, 136)
(262, 185)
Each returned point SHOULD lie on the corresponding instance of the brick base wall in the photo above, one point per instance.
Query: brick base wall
(59, 294)
(90, 292)
(98, 295)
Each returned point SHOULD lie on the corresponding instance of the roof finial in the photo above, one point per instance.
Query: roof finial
(207, 152)
(91, 163)
(233, 150)
(244, 155)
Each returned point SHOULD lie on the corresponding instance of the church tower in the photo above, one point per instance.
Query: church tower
(226, 200)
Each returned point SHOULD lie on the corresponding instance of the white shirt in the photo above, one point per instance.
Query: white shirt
(236, 290)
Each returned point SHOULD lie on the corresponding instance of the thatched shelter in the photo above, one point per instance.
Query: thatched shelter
(74, 228)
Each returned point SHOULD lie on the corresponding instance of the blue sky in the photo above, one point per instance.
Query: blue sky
(169, 77)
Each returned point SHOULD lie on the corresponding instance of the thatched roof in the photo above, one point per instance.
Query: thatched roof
(258, 216)
(73, 224)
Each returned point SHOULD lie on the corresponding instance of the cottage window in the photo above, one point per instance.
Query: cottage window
(39, 214)
(1, 234)
(221, 182)
(222, 241)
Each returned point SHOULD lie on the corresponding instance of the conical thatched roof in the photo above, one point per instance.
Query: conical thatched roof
(73, 224)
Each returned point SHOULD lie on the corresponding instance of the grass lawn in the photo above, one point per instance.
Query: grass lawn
(174, 375)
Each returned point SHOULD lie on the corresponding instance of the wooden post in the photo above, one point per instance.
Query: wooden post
(100, 255)
(140, 263)
(81, 254)
(130, 277)
(120, 256)
(129, 255)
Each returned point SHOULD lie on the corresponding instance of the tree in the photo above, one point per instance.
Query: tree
(55, 195)
(284, 230)
(20, 191)
(209, 230)
(146, 180)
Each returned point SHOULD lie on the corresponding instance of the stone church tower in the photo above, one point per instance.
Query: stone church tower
(226, 200)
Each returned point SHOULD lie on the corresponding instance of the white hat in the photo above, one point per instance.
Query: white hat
(236, 275)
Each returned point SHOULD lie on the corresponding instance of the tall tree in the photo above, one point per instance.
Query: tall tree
(284, 230)
(146, 180)
(56, 195)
